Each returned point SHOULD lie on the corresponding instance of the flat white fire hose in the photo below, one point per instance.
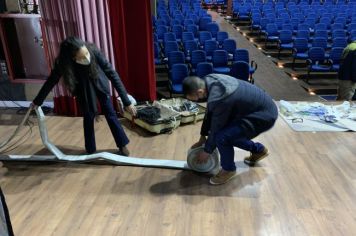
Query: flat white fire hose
(191, 164)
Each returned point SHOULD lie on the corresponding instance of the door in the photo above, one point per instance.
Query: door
(31, 46)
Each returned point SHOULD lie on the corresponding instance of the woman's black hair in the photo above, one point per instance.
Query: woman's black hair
(65, 60)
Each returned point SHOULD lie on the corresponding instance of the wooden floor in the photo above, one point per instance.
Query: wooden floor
(307, 186)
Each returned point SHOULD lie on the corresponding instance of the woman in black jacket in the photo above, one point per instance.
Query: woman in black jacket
(85, 72)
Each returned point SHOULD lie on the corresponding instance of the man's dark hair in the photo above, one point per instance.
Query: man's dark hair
(191, 84)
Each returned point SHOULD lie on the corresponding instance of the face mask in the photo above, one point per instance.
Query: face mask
(85, 61)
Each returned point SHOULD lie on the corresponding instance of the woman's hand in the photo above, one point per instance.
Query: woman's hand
(131, 109)
(33, 106)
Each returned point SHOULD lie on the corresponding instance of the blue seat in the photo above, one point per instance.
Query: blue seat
(203, 23)
(178, 73)
(175, 22)
(337, 26)
(339, 42)
(194, 18)
(229, 45)
(203, 36)
(160, 31)
(244, 12)
(320, 42)
(203, 69)
(316, 61)
(193, 29)
(300, 49)
(188, 22)
(178, 31)
(213, 28)
(157, 54)
(175, 57)
(352, 36)
(197, 56)
(335, 57)
(170, 46)
(188, 36)
(221, 36)
(169, 37)
(256, 22)
(240, 70)
(285, 41)
(243, 55)
(155, 37)
(338, 34)
(271, 33)
(321, 34)
(320, 26)
(189, 47)
(220, 62)
(303, 34)
(209, 47)
(287, 27)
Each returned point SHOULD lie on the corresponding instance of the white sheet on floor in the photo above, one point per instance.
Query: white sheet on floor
(110, 157)
(314, 116)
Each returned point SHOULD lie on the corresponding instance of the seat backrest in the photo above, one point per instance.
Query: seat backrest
(320, 26)
(156, 49)
(213, 28)
(229, 45)
(220, 58)
(203, 69)
(300, 45)
(170, 46)
(303, 34)
(169, 37)
(272, 29)
(188, 22)
(193, 29)
(177, 30)
(339, 42)
(175, 57)
(321, 33)
(203, 36)
(210, 46)
(285, 36)
(203, 22)
(187, 36)
(242, 55)
(335, 54)
(198, 56)
(190, 46)
(316, 54)
(221, 36)
(338, 33)
(161, 30)
(320, 42)
(240, 70)
(179, 73)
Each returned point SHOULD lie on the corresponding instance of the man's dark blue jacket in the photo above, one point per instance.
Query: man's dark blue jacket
(232, 101)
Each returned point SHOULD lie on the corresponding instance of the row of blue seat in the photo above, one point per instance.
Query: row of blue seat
(238, 69)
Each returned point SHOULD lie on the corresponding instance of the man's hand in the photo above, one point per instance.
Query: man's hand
(200, 143)
(202, 157)
(131, 109)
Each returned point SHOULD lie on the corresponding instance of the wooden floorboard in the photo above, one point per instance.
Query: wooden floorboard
(307, 186)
